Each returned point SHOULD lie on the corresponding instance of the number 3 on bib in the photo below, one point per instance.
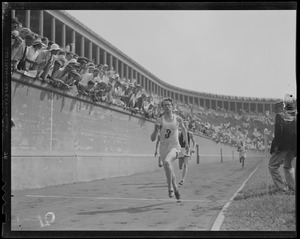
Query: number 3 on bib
(168, 132)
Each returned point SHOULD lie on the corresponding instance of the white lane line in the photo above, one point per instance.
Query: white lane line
(218, 222)
(133, 199)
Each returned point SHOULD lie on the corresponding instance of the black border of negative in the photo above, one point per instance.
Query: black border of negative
(6, 112)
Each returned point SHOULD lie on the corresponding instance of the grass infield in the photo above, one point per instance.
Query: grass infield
(257, 209)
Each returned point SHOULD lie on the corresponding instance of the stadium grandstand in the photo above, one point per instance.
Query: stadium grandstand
(63, 29)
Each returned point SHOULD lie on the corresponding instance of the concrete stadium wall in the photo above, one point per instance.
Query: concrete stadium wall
(60, 139)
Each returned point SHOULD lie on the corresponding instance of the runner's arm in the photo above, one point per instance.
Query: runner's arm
(156, 146)
(156, 130)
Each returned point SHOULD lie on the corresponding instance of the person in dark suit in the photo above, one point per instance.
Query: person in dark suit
(282, 151)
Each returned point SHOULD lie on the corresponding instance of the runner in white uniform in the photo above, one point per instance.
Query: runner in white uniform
(169, 144)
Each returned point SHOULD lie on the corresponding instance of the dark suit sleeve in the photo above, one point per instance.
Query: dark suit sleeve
(278, 133)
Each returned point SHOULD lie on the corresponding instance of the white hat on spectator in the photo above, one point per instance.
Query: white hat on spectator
(73, 61)
(91, 67)
(90, 64)
(54, 47)
(24, 29)
(37, 42)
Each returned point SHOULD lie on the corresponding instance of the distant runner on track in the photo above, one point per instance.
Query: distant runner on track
(185, 156)
(242, 153)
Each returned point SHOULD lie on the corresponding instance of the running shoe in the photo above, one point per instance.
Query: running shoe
(171, 193)
(177, 194)
(160, 163)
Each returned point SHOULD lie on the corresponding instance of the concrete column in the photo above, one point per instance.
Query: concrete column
(111, 60)
(127, 72)
(271, 109)
(104, 57)
(82, 46)
(150, 85)
(117, 65)
(144, 82)
(98, 55)
(41, 23)
(147, 84)
(131, 73)
(264, 108)
(256, 107)
(223, 104)
(27, 19)
(73, 41)
(63, 36)
(91, 50)
(53, 29)
(122, 69)
(235, 107)
(138, 77)
(13, 13)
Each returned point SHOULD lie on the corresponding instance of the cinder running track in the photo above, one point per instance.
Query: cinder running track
(137, 202)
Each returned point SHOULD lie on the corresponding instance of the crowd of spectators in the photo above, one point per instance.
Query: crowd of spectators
(228, 127)
(43, 60)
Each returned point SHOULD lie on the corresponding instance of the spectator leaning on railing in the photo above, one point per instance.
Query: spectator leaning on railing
(45, 60)
(83, 65)
(32, 54)
(19, 53)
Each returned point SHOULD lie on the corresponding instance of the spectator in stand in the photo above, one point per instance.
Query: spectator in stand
(58, 72)
(15, 24)
(140, 103)
(104, 73)
(50, 44)
(75, 56)
(99, 92)
(62, 55)
(83, 65)
(69, 79)
(15, 27)
(45, 41)
(88, 76)
(45, 60)
(19, 55)
(96, 78)
(69, 56)
(32, 54)
(111, 72)
(149, 107)
(23, 32)
(132, 96)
